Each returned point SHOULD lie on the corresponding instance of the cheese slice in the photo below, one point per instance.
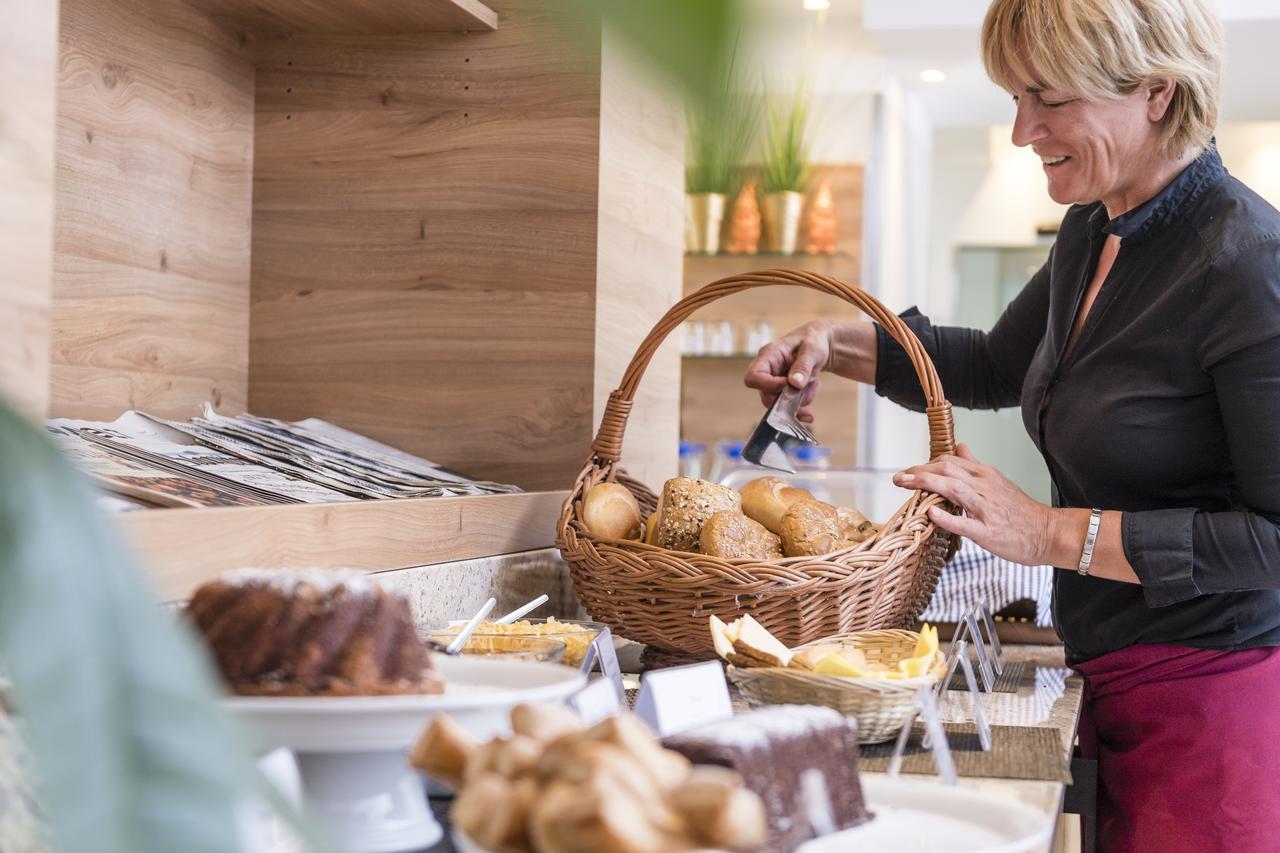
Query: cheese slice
(808, 658)
(835, 664)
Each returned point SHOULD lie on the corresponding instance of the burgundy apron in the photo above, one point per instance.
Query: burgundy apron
(1188, 749)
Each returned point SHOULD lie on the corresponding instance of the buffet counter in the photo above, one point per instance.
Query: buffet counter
(1037, 702)
(1047, 695)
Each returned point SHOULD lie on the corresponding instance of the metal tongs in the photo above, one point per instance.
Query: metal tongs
(778, 432)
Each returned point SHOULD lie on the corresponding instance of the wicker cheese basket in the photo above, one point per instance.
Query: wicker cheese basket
(662, 598)
(881, 707)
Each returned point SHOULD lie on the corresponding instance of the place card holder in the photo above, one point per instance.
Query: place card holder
(935, 739)
(968, 630)
(677, 698)
(602, 649)
(983, 612)
(960, 657)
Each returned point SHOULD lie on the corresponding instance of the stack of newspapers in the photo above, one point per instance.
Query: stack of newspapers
(215, 460)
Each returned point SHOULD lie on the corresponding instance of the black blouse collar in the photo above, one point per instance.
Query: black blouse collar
(1157, 212)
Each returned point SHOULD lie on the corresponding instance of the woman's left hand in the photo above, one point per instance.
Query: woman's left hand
(1001, 518)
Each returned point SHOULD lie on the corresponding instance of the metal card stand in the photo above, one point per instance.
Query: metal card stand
(983, 613)
(602, 649)
(935, 739)
(968, 630)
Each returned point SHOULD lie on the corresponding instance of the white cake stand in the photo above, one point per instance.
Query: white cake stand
(352, 750)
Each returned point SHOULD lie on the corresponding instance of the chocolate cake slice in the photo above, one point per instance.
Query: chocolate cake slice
(771, 748)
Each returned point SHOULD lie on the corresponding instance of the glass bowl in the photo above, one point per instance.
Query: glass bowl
(577, 634)
(505, 646)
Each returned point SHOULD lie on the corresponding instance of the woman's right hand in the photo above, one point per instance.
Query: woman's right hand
(800, 355)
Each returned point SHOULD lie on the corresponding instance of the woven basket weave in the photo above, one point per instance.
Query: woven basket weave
(881, 707)
(662, 598)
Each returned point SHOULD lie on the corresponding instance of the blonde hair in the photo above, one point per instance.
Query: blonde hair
(1095, 49)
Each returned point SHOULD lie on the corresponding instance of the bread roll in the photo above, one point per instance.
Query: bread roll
(719, 811)
(611, 511)
(685, 505)
(732, 535)
(810, 528)
(443, 750)
(544, 722)
(854, 526)
(766, 500)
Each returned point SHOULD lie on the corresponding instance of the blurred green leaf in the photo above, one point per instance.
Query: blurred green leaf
(118, 703)
(721, 131)
(785, 156)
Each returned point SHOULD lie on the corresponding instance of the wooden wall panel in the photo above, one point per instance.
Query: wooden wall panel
(28, 63)
(424, 247)
(153, 211)
(640, 246)
(354, 16)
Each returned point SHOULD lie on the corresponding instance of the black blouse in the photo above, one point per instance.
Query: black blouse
(1167, 408)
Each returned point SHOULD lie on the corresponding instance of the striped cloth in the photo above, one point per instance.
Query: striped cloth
(975, 575)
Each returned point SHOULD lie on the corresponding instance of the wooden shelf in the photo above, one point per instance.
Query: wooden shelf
(185, 547)
(355, 17)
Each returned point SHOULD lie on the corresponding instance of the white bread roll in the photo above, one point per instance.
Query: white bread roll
(766, 500)
(611, 511)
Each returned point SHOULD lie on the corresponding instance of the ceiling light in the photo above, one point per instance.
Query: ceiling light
(933, 75)
(817, 5)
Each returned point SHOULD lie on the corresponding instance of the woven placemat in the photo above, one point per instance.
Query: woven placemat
(1017, 752)
(1006, 682)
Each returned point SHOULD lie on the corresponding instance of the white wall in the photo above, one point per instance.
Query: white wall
(986, 192)
(1251, 152)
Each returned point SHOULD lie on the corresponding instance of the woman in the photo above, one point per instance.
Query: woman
(1145, 355)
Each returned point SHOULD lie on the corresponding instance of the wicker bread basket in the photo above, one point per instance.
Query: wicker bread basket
(662, 598)
(881, 707)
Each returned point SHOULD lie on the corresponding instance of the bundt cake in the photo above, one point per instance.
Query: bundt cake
(309, 633)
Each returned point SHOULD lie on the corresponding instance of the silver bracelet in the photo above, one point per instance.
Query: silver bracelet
(1090, 538)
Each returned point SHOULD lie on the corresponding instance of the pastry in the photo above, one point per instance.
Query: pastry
(443, 750)
(810, 528)
(684, 506)
(770, 749)
(720, 812)
(311, 633)
(610, 510)
(732, 535)
(554, 787)
(766, 499)
(544, 722)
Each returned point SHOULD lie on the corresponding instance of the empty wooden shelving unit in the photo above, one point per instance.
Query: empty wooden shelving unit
(390, 214)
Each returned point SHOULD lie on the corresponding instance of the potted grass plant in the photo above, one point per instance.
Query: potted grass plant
(785, 166)
(722, 128)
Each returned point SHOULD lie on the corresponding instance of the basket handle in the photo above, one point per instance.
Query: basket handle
(608, 442)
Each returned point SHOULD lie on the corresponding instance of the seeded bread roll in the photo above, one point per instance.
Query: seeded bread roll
(810, 528)
(611, 511)
(732, 535)
(766, 500)
(685, 505)
(854, 526)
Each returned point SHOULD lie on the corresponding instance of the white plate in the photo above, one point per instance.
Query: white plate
(928, 817)
(479, 694)
(351, 751)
